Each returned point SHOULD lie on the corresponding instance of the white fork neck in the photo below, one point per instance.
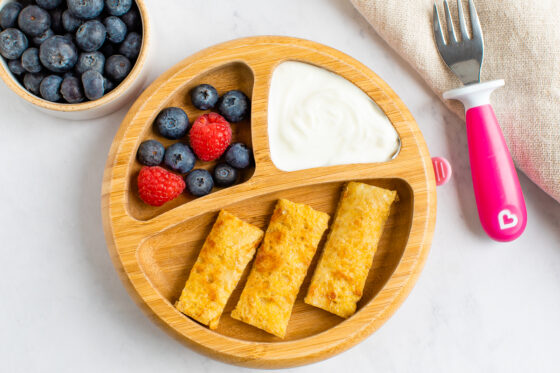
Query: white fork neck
(475, 94)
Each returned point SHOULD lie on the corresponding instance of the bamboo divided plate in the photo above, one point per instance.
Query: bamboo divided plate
(154, 249)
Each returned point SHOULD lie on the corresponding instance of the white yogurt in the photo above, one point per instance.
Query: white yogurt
(317, 118)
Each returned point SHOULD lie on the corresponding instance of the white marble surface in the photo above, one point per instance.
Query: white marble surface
(479, 306)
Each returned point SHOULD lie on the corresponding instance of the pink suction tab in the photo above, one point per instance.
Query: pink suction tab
(442, 170)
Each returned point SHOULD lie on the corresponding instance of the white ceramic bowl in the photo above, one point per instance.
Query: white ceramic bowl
(128, 89)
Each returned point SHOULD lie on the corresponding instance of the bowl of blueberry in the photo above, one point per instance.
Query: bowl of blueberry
(74, 59)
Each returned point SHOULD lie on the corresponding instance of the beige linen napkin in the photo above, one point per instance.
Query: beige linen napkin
(522, 46)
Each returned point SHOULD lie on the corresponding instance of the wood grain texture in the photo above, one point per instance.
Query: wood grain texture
(154, 249)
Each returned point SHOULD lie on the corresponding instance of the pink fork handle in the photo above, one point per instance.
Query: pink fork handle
(499, 198)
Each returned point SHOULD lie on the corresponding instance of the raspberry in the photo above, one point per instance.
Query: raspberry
(156, 185)
(210, 136)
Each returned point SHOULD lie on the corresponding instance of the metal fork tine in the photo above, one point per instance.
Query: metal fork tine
(464, 58)
(462, 24)
(451, 38)
(475, 23)
(438, 35)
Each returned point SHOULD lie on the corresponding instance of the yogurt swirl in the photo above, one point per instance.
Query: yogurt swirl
(317, 118)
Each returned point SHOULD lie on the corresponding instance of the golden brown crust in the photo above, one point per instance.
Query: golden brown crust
(281, 264)
(341, 273)
(229, 247)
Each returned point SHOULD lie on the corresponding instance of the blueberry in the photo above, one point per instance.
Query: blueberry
(180, 158)
(85, 9)
(234, 106)
(150, 153)
(91, 61)
(9, 15)
(109, 85)
(131, 45)
(58, 54)
(69, 22)
(225, 175)
(172, 123)
(38, 40)
(32, 82)
(204, 96)
(56, 21)
(71, 90)
(50, 88)
(132, 19)
(93, 84)
(91, 36)
(116, 29)
(48, 4)
(16, 67)
(238, 155)
(199, 182)
(30, 60)
(118, 7)
(33, 20)
(12, 43)
(117, 67)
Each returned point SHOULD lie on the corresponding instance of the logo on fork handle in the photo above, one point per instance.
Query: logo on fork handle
(507, 219)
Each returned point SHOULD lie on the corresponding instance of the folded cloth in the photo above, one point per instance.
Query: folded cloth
(521, 46)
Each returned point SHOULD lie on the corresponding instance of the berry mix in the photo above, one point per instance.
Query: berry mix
(209, 139)
(70, 50)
